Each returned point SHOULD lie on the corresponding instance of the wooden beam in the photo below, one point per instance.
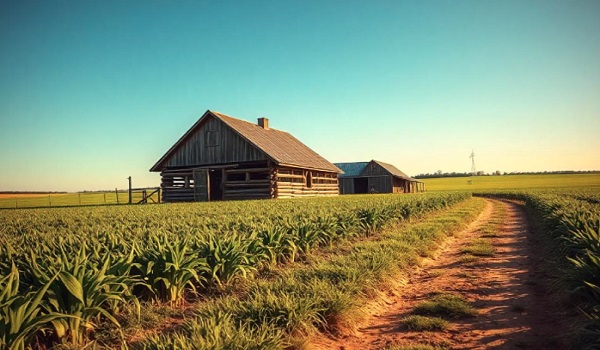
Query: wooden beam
(249, 170)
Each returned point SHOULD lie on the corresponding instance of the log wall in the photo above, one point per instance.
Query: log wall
(256, 180)
(293, 182)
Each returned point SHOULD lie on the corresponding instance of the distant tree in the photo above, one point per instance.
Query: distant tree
(498, 173)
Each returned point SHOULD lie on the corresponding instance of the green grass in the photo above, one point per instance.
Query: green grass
(424, 323)
(479, 247)
(512, 182)
(446, 305)
(468, 258)
(70, 199)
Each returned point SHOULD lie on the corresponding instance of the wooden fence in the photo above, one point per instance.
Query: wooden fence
(136, 196)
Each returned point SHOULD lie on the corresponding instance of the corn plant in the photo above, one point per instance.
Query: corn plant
(85, 292)
(171, 268)
(275, 245)
(21, 315)
(227, 258)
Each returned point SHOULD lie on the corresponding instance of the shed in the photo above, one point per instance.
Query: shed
(375, 177)
(221, 158)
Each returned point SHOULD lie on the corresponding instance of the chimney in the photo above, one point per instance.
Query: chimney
(263, 123)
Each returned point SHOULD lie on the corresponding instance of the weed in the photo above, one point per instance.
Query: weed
(480, 247)
(446, 305)
(424, 323)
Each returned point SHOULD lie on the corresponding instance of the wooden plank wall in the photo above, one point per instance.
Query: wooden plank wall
(346, 185)
(380, 184)
(214, 143)
(374, 169)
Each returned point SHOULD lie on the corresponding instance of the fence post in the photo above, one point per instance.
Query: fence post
(104, 198)
(158, 194)
(49, 201)
(117, 195)
(130, 199)
(16, 202)
(79, 196)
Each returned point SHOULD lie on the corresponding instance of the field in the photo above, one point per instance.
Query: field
(262, 274)
(477, 183)
(27, 200)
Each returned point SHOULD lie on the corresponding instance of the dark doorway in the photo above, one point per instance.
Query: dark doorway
(216, 180)
(361, 185)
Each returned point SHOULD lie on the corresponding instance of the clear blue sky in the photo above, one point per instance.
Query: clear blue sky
(94, 91)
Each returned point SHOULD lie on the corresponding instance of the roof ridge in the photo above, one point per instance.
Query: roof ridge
(219, 114)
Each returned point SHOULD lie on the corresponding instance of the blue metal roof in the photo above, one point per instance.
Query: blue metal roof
(351, 169)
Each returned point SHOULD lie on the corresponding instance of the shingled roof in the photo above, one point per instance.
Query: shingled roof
(279, 146)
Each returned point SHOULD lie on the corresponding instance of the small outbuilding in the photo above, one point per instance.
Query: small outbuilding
(375, 177)
(221, 158)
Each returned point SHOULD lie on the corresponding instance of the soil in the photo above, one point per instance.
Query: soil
(508, 289)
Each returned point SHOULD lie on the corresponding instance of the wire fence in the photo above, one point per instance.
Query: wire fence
(149, 195)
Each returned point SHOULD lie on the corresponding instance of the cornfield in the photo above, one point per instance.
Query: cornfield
(64, 271)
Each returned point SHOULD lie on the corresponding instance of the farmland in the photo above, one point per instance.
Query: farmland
(26, 200)
(477, 183)
(72, 271)
(257, 274)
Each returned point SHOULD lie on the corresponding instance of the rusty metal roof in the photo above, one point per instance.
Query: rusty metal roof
(280, 146)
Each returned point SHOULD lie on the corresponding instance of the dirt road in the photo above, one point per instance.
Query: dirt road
(505, 287)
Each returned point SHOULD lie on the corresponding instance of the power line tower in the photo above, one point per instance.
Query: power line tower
(472, 156)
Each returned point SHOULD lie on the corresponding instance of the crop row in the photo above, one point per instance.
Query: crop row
(62, 271)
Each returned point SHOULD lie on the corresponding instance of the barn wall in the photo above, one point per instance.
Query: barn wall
(374, 169)
(214, 143)
(248, 180)
(346, 185)
(400, 185)
(296, 182)
(380, 184)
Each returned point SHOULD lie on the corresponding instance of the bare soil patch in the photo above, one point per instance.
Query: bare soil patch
(514, 311)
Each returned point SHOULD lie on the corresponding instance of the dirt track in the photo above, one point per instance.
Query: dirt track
(505, 289)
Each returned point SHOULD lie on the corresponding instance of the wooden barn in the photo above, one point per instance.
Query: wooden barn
(375, 177)
(221, 158)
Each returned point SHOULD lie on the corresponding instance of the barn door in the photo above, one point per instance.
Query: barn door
(201, 187)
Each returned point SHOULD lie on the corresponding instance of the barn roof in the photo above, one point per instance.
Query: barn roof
(394, 171)
(355, 169)
(351, 169)
(280, 146)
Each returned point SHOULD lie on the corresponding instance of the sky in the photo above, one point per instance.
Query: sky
(92, 92)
